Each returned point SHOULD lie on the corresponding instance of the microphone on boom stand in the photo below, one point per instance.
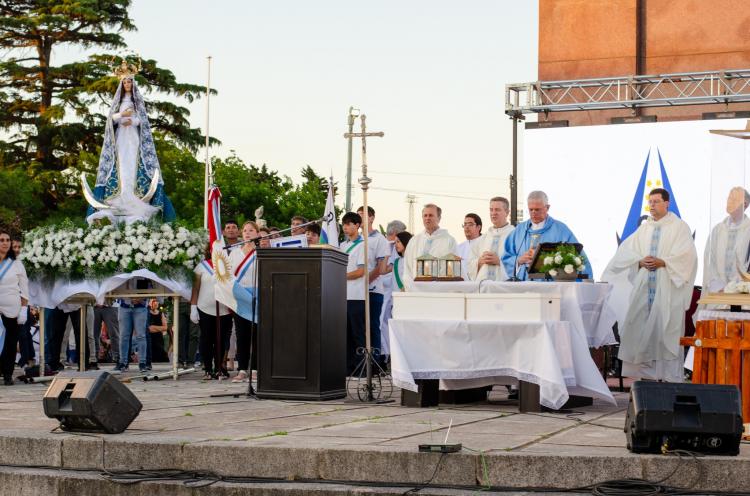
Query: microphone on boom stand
(326, 218)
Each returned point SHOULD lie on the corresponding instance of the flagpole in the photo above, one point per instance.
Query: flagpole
(208, 179)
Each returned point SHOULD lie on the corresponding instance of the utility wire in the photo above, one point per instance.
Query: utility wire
(430, 194)
(435, 175)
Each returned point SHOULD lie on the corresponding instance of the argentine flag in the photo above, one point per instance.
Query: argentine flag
(329, 233)
(227, 289)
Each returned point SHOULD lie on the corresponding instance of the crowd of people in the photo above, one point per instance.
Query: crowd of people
(659, 260)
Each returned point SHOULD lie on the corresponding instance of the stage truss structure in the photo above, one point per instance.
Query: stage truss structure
(629, 92)
(619, 93)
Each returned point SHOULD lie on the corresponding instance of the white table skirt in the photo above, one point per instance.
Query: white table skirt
(552, 355)
(585, 305)
(50, 296)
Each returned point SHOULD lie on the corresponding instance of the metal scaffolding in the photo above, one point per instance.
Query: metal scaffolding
(628, 92)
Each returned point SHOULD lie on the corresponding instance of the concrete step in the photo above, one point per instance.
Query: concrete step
(19, 481)
(377, 464)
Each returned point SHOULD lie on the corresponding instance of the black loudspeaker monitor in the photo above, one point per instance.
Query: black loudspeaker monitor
(90, 402)
(705, 418)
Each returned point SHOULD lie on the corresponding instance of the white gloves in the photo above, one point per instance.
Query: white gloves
(23, 315)
(194, 317)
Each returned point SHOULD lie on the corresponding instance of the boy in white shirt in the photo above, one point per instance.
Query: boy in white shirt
(355, 289)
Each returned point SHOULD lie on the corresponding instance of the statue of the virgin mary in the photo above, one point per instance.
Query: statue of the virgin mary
(129, 186)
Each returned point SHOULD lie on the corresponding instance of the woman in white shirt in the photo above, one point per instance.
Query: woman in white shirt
(244, 267)
(203, 307)
(14, 310)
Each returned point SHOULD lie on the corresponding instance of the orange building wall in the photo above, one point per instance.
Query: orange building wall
(597, 38)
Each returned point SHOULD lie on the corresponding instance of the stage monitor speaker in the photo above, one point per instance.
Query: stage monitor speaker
(704, 418)
(90, 402)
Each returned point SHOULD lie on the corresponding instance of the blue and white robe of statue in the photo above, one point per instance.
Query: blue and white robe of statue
(111, 185)
(520, 240)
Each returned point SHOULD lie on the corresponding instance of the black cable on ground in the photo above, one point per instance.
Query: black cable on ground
(429, 481)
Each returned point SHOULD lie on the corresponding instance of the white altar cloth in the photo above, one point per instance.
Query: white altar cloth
(50, 296)
(585, 305)
(553, 355)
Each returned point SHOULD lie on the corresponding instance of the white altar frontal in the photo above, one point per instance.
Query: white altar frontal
(471, 334)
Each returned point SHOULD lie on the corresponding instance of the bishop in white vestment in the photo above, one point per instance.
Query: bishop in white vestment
(486, 260)
(432, 241)
(660, 261)
(727, 247)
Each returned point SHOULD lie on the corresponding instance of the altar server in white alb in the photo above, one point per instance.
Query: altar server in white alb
(727, 247)
(661, 262)
(487, 255)
(432, 241)
(473, 231)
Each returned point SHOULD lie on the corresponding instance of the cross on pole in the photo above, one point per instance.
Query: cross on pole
(365, 181)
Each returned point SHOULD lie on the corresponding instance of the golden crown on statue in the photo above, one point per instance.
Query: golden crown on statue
(126, 70)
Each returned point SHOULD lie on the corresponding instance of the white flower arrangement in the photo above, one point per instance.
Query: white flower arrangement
(96, 252)
(563, 259)
(737, 287)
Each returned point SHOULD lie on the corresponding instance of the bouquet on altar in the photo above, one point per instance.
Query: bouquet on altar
(564, 259)
(97, 252)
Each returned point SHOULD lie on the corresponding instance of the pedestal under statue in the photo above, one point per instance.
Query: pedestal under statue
(129, 186)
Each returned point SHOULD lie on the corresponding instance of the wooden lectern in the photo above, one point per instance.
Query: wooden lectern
(302, 323)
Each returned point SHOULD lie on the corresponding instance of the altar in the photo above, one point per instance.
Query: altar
(584, 305)
(534, 332)
(467, 354)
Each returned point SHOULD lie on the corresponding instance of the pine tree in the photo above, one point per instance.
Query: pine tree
(52, 116)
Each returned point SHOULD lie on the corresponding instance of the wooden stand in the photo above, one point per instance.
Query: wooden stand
(722, 356)
(86, 299)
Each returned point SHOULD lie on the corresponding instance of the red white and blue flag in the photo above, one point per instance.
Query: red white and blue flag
(226, 287)
(214, 215)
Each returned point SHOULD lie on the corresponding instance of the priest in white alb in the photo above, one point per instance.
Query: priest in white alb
(487, 256)
(660, 261)
(473, 231)
(432, 241)
(727, 247)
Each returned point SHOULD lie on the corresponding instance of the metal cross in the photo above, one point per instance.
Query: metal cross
(364, 181)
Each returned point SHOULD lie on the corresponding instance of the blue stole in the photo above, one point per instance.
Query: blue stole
(5, 266)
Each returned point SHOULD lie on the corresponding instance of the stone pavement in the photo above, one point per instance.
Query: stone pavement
(184, 426)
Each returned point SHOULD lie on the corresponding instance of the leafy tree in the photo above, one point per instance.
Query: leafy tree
(17, 209)
(243, 187)
(53, 115)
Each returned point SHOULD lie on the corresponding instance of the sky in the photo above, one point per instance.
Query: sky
(430, 74)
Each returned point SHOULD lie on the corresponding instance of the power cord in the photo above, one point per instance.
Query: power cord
(415, 490)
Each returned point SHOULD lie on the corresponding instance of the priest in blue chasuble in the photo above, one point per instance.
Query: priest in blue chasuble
(539, 228)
